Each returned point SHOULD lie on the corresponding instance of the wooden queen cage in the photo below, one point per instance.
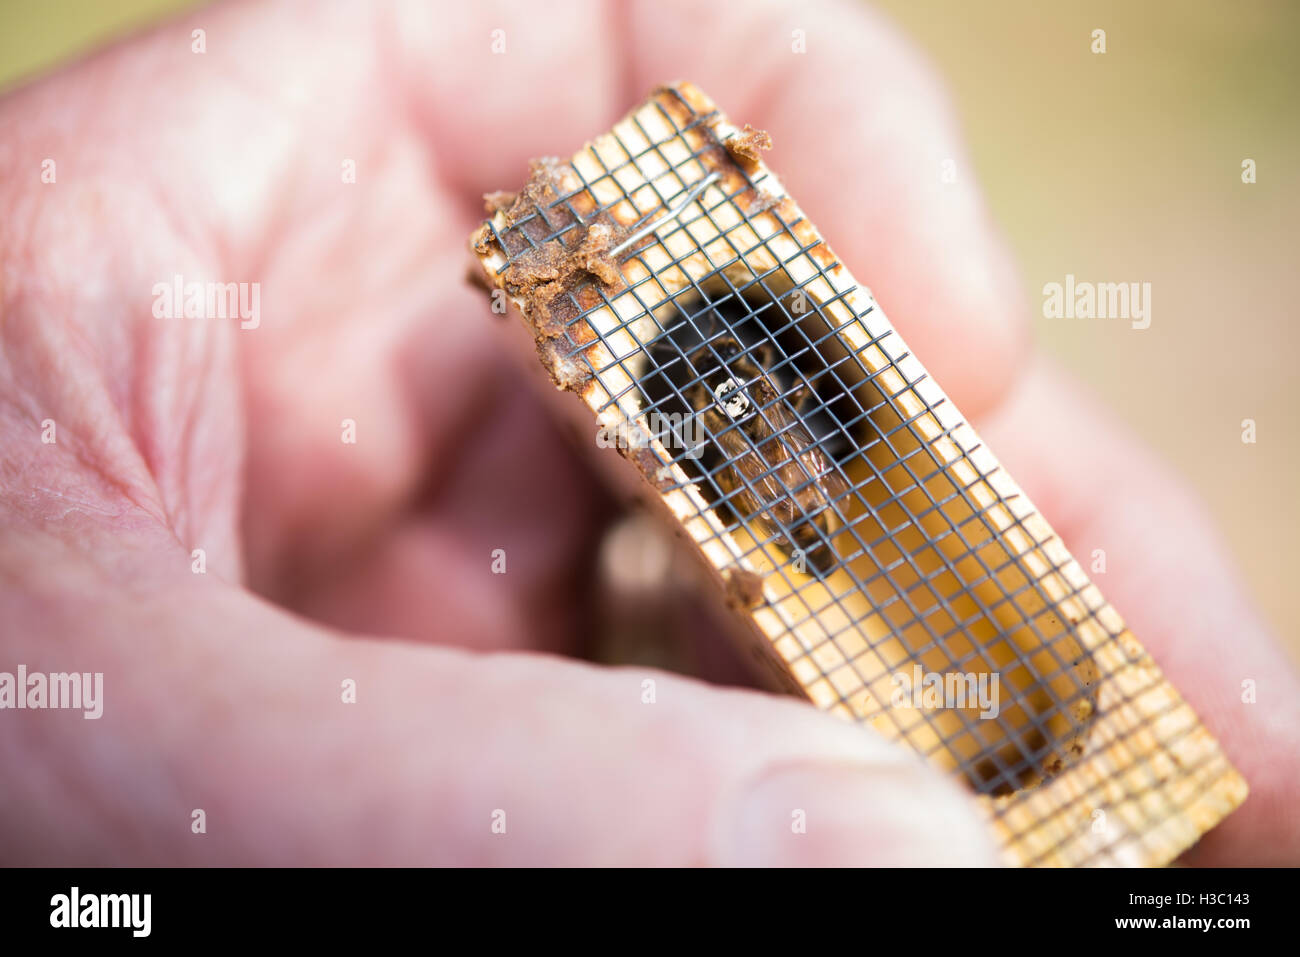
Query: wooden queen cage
(865, 536)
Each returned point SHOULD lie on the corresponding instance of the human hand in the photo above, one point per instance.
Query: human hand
(222, 690)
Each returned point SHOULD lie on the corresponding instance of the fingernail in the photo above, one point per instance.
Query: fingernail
(842, 815)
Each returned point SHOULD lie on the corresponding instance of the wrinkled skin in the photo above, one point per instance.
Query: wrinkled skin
(222, 690)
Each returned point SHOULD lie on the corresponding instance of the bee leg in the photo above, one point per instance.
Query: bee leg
(765, 355)
(799, 396)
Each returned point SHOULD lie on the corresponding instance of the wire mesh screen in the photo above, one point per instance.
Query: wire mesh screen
(888, 565)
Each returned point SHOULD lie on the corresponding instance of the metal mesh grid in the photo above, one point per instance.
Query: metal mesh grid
(822, 477)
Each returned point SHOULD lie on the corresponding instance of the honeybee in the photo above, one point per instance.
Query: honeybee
(774, 474)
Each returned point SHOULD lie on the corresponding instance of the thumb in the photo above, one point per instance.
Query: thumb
(216, 700)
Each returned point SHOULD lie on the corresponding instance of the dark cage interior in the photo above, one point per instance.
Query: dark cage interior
(816, 474)
(766, 448)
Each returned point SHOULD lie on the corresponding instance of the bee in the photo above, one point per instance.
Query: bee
(774, 474)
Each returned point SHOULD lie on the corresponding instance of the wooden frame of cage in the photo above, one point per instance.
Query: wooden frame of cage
(675, 200)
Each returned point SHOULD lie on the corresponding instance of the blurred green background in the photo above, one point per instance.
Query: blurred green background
(1116, 167)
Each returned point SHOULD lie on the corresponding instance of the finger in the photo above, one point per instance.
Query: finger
(1167, 572)
(495, 84)
(352, 483)
(215, 702)
(862, 133)
(509, 530)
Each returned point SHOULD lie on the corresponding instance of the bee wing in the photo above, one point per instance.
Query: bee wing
(755, 480)
(835, 490)
(817, 479)
(783, 445)
(792, 442)
(830, 478)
